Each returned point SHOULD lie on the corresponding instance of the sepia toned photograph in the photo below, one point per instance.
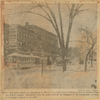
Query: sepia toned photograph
(49, 46)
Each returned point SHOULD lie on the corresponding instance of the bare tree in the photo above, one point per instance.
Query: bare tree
(73, 11)
(50, 16)
(88, 39)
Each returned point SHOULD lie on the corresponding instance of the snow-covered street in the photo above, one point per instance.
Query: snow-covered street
(53, 77)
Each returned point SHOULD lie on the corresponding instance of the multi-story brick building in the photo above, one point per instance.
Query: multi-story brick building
(29, 39)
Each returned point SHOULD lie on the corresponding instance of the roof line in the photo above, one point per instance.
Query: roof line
(43, 29)
(37, 27)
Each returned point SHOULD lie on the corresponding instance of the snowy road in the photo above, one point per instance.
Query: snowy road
(52, 78)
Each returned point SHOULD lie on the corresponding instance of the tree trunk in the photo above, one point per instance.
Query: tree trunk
(63, 60)
(92, 58)
(64, 64)
(86, 61)
(87, 56)
(68, 34)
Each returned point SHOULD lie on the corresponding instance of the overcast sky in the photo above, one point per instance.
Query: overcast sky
(83, 19)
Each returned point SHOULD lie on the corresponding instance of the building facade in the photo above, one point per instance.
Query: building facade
(29, 39)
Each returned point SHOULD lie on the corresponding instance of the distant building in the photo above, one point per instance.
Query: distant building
(29, 39)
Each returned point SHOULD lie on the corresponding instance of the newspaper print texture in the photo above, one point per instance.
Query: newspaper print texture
(48, 45)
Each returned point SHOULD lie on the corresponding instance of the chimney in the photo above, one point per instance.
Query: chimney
(27, 24)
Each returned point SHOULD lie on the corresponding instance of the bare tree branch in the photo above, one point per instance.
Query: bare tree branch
(53, 16)
(68, 6)
(29, 12)
(89, 35)
(77, 9)
(83, 44)
(80, 11)
(70, 26)
(57, 29)
(72, 11)
(44, 11)
(79, 6)
(38, 14)
(61, 25)
(48, 16)
(50, 19)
